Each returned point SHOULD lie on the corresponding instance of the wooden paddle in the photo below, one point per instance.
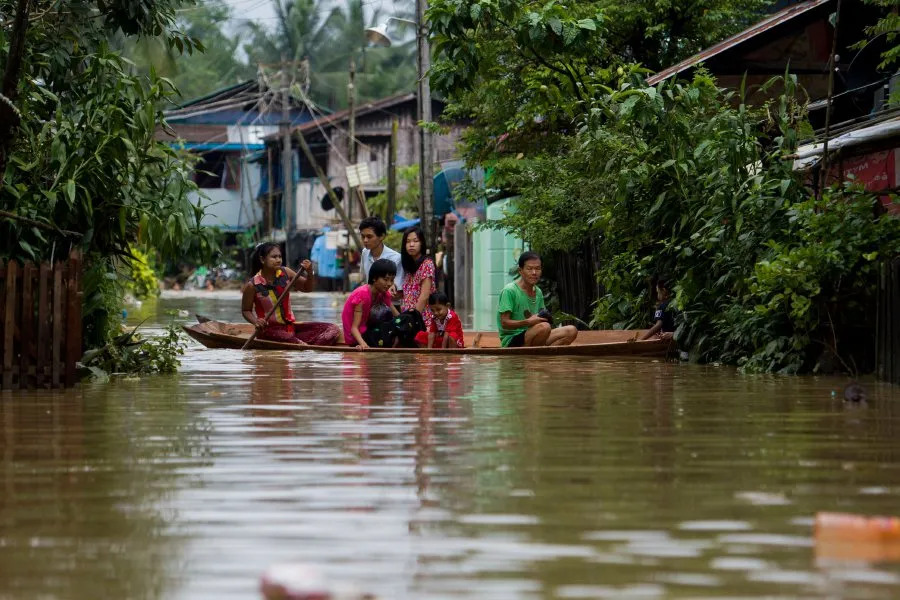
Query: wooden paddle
(277, 302)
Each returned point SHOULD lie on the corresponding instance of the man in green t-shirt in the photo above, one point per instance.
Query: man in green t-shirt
(517, 312)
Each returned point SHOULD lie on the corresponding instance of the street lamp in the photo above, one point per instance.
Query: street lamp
(378, 35)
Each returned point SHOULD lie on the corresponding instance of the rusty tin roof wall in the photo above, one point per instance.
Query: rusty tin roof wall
(766, 24)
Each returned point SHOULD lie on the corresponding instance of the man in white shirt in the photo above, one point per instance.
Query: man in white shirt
(371, 232)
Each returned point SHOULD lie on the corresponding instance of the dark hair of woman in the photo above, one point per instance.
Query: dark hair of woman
(409, 265)
(526, 256)
(382, 268)
(438, 298)
(261, 252)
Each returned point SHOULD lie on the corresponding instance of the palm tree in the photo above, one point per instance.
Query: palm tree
(198, 73)
(327, 37)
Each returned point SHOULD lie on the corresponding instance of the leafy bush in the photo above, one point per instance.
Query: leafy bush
(131, 354)
(810, 303)
(141, 277)
(686, 181)
(407, 195)
(84, 160)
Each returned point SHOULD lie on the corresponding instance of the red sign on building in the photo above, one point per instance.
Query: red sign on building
(877, 171)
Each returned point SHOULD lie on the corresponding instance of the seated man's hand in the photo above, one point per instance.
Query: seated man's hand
(534, 320)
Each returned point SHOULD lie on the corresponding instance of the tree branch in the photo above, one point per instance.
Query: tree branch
(9, 117)
(565, 72)
(40, 224)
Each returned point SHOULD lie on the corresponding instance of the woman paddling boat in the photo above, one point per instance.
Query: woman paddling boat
(267, 282)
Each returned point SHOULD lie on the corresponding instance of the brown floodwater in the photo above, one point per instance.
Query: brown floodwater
(434, 477)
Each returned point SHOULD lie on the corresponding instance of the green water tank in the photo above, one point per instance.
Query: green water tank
(494, 254)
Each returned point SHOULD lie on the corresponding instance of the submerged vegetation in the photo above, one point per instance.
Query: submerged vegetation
(132, 354)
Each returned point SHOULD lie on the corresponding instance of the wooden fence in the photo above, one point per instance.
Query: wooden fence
(40, 323)
(575, 274)
(887, 342)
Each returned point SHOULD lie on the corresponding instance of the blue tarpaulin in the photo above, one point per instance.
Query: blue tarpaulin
(325, 258)
(401, 225)
(222, 146)
(447, 180)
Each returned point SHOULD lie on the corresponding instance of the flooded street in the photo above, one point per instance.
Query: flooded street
(437, 477)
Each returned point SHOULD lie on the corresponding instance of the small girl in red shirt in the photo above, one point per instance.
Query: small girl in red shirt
(446, 329)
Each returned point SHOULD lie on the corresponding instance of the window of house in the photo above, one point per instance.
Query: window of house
(320, 153)
(218, 170)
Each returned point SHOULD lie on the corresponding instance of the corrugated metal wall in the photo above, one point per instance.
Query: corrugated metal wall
(887, 344)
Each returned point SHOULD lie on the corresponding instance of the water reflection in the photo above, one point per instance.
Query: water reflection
(423, 477)
(87, 479)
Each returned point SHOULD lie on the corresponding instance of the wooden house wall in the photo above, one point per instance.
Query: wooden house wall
(373, 130)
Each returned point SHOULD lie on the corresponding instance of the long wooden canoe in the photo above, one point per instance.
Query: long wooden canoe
(215, 334)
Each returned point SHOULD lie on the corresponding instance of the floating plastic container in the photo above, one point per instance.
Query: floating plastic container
(305, 582)
(842, 536)
(857, 527)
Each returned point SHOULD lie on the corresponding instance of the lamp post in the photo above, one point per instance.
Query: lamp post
(378, 35)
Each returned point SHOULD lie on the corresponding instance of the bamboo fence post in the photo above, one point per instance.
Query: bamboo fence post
(27, 338)
(43, 316)
(73, 344)
(9, 324)
(76, 324)
(2, 315)
(56, 315)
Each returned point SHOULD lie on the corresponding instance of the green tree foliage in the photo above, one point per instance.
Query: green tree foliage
(327, 35)
(659, 33)
(198, 73)
(141, 276)
(888, 26)
(680, 179)
(686, 181)
(407, 195)
(84, 158)
(523, 70)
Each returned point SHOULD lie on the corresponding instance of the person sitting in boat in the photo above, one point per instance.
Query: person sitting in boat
(446, 328)
(372, 231)
(522, 318)
(359, 306)
(419, 273)
(262, 292)
(664, 316)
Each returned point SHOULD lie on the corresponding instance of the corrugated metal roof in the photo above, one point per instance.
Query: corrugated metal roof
(809, 154)
(344, 115)
(765, 25)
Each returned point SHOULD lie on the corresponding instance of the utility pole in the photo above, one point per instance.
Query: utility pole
(287, 162)
(426, 154)
(351, 142)
(355, 192)
(270, 221)
(392, 173)
(832, 66)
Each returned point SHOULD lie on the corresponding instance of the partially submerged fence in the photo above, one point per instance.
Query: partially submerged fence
(575, 274)
(887, 344)
(40, 323)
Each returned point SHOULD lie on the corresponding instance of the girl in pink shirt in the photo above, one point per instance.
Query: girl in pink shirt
(356, 311)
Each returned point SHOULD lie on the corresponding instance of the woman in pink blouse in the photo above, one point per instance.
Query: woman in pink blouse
(419, 269)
